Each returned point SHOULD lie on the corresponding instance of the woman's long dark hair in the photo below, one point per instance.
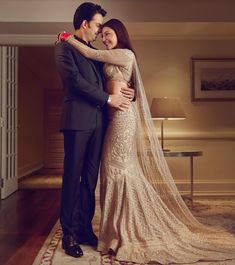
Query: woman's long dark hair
(121, 32)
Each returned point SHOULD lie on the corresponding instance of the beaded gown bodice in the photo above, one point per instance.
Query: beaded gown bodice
(115, 73)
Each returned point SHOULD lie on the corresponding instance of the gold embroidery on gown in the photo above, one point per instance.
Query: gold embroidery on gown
(144, 218)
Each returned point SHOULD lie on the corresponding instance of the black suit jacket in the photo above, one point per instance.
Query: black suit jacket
(84, 97)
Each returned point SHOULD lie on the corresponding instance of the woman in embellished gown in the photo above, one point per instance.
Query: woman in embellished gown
(143, 217)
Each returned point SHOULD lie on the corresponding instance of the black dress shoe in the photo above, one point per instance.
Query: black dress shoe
(71, 247)
(90, 239)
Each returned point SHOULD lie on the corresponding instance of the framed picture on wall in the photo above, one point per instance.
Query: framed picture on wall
(213, 79)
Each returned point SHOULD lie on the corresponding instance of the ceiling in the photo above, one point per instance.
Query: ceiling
(127, 10)
(37, 21)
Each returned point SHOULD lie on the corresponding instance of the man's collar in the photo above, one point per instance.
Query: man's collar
(81, 40)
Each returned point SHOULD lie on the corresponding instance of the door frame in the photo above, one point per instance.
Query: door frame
(9, 87)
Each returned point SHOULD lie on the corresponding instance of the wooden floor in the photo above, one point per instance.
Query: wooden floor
(26, 218)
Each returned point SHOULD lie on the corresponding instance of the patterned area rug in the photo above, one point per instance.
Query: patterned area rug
(212, 212)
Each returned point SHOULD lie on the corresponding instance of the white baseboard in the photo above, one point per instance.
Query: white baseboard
(208, 188)
(29, 169)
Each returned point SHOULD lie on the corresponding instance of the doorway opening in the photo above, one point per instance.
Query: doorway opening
(40, 144)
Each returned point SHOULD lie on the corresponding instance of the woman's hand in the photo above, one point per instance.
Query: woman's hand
(63, 36)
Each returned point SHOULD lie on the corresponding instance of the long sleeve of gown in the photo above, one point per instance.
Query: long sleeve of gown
(120, 57)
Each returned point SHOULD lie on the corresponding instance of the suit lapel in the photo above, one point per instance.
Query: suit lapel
(98, 74)
(92, 63)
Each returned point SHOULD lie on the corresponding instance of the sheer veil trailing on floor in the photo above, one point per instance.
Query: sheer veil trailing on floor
(156, 171)
(152, 160)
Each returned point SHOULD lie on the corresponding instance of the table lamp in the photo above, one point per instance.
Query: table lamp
(166, 109)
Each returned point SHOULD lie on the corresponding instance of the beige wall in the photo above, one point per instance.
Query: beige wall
(30, 115)
(209, 126)
(165, 68)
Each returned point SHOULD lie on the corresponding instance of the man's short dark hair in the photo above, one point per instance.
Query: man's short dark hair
(86, 11)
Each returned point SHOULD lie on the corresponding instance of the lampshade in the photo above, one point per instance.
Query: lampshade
(167, 109)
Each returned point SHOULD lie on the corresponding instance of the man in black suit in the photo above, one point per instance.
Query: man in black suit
(83, 126)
